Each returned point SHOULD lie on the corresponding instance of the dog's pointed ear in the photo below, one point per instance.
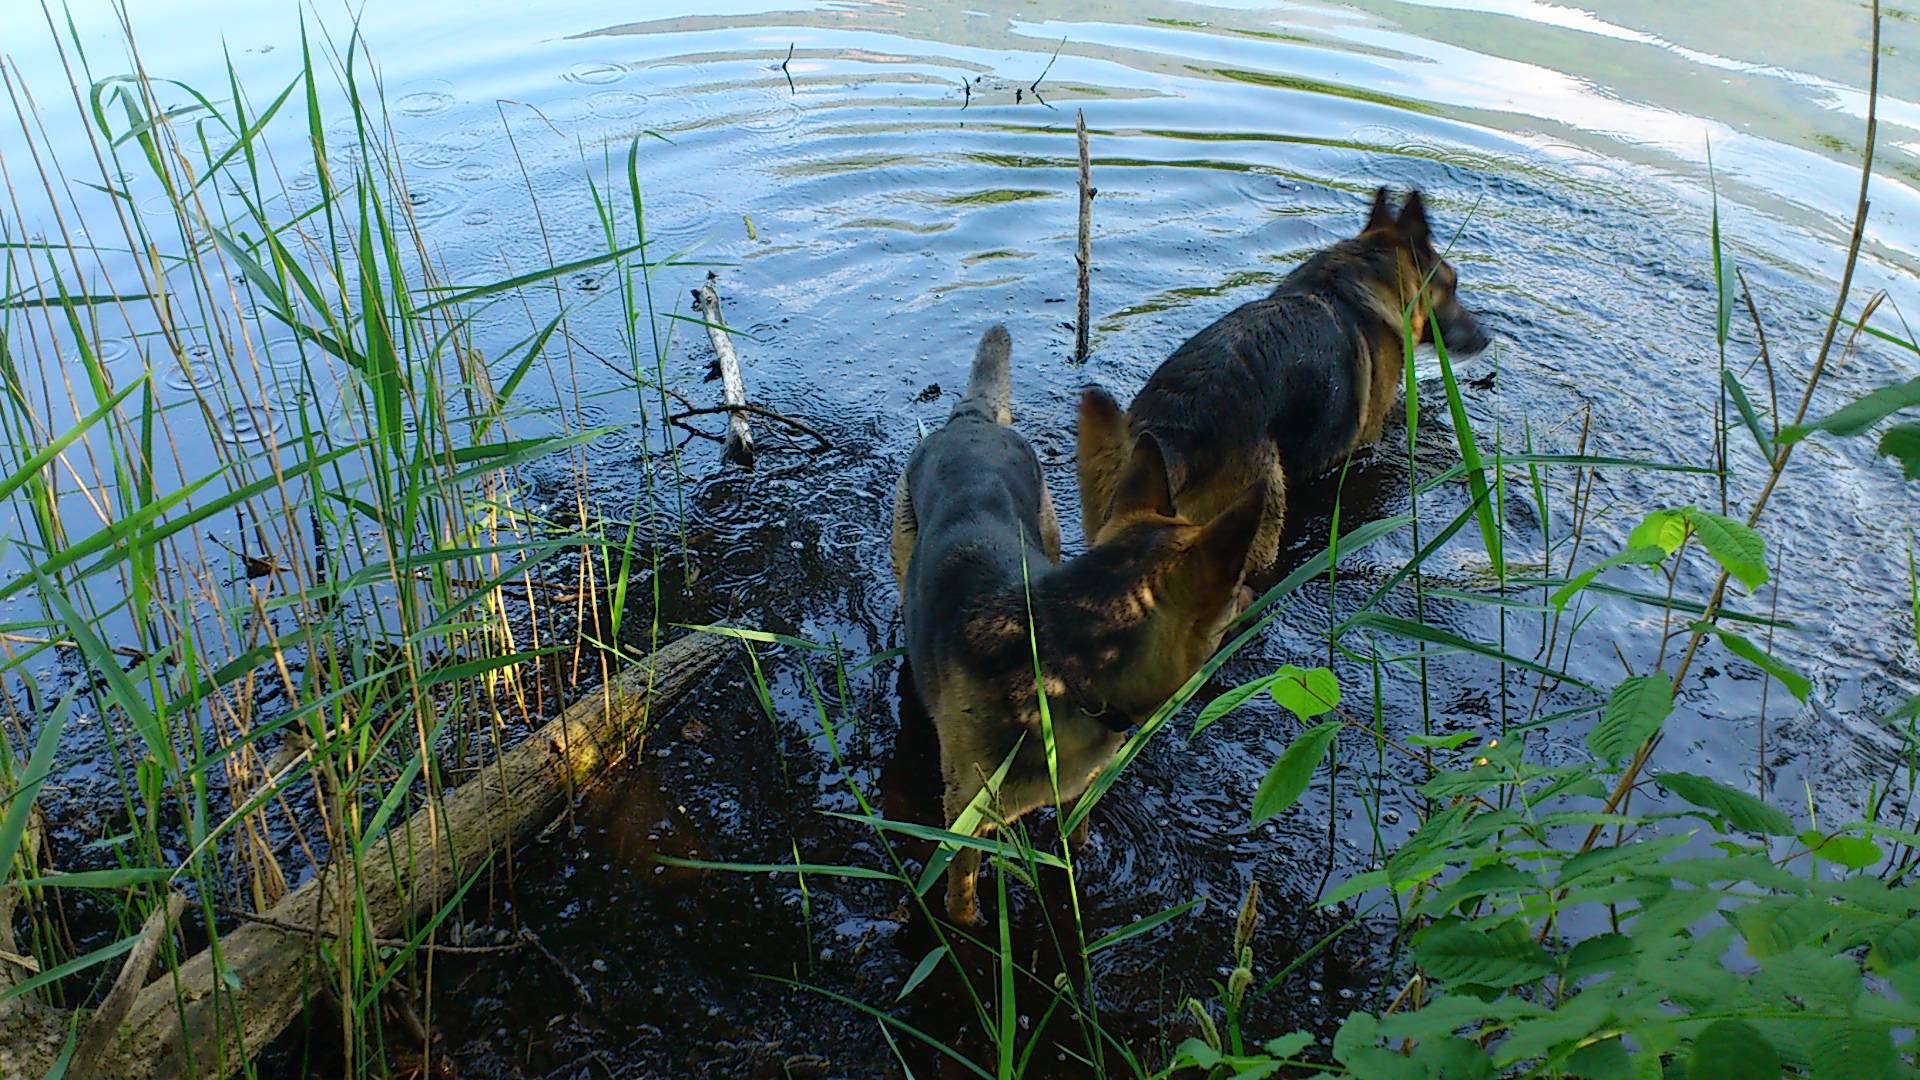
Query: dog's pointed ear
(1381, 216)
(1217, 560)
(1413, 219)
(1144, 487)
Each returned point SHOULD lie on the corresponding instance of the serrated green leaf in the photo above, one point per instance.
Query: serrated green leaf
(1602, 952)
(1797, 684)
(1852, 852)
(1663, 529)
(1736, 866)
(1439, 831)
(1733, 545)
(1456, 783)
(1306, 694)
(1229, 701)
(1492, 878)
(1901, 442)
(1776, 926)
(1504, 955)
(1288, 1045)
(1738, 809)
(1600, 1060)
(1451, 1057)
(1449, 1013)
(1288, 778)
(1849, 1049)
(1577, 1019)
(1197, 1053)
(1813, 977)
(1621, 859)
(1671, 913)
(1443, 742)
(1732, 1050)
(1634, 712)
(1355, 1045)
(1896, 947)
(1860, 415)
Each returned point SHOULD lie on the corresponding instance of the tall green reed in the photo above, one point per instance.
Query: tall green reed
(283, 538)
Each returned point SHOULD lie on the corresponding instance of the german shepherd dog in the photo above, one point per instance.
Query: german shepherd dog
(1119, 628)
(1289, 384)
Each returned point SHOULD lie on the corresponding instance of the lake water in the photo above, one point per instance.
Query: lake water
(880, 182)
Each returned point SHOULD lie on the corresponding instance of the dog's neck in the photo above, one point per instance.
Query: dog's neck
(1355, 295)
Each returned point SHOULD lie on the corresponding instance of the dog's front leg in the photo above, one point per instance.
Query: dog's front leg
(1076, 839)
(963, 873)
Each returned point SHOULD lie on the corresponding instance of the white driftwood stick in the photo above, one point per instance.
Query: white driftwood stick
(1083, 251)
(733, 391)
(218, 1024)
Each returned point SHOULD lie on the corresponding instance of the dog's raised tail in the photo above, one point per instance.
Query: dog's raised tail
(989, 388)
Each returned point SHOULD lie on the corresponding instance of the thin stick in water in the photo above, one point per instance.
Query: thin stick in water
(1083, 251)
(733, 391)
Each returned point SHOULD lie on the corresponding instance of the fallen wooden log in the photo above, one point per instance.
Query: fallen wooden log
(203, 1021)
(733, 391)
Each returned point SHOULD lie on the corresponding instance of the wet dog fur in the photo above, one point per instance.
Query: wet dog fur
(1289, 384)
(976, 547)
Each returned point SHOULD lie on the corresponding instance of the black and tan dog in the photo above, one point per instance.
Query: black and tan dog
(1286, 385)
(1119, 628)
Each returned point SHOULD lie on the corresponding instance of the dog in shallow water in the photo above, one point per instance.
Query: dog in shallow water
(1290, 384)
(1118, 629)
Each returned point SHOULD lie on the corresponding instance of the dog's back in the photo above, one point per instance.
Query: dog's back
(1283, 364)
(977, 504)
(1287, 385)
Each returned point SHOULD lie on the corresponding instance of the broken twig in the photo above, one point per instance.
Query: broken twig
(1083, 251)
(1035, 85)
(762, 411)
(739, 444)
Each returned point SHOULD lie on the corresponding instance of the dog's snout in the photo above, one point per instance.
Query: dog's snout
(1462, 331)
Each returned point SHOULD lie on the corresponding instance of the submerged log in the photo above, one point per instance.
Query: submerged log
(733, 390)
(203, 1021)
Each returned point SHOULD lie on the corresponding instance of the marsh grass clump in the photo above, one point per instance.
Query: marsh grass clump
(275, 584)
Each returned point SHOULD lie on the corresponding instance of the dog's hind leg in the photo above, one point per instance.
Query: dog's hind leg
(906, 529)
(1273, 518)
